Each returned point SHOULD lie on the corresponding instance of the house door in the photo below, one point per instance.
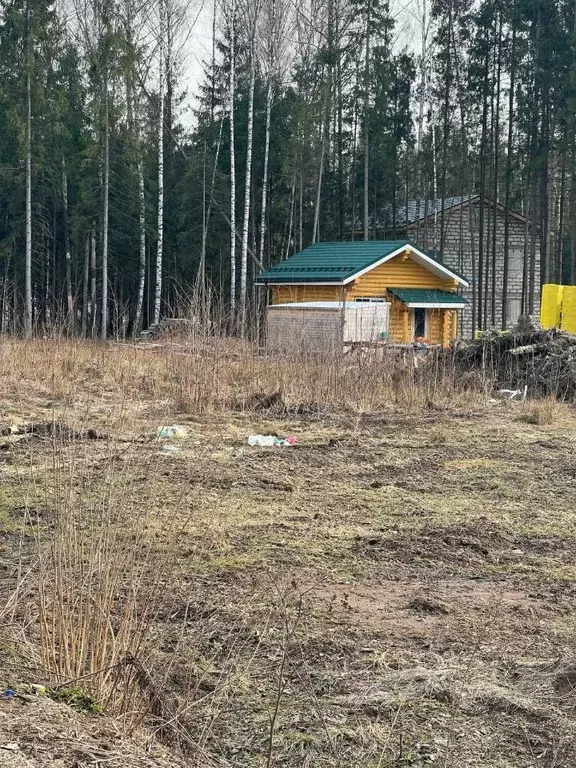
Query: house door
(419, 323)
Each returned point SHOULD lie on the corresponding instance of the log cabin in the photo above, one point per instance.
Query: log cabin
(421, 291)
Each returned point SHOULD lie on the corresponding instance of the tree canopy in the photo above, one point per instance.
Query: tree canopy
(342, 114)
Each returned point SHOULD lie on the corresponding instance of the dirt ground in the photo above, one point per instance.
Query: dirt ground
(393, 590)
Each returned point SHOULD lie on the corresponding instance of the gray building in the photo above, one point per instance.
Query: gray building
(421, 221)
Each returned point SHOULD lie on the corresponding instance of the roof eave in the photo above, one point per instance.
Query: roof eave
(436, 305)
(274, 281)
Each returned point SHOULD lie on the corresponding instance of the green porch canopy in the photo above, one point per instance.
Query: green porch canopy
(428, 298)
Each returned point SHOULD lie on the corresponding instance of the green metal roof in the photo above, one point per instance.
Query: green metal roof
(338, 262)
(330, 262)
(426, 296)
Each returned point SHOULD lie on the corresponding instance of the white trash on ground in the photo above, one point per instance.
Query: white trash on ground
(270, 441)
(513, 394)
(175, 431)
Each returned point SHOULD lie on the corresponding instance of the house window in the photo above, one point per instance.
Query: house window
(419, 323)
(370, 300)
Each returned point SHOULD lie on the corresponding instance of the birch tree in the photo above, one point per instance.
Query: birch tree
(134, 23)
(231, 107)
(160, 240)
(251, 12)
(247, 190)
(141, 244)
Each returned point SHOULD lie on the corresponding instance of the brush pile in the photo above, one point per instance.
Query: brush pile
(543, 361)
(171, 326)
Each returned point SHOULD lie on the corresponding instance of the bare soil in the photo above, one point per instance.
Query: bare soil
(411, 577)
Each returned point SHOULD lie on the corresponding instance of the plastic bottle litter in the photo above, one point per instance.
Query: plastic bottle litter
(261, 440)
(270, 441)
(176, 431)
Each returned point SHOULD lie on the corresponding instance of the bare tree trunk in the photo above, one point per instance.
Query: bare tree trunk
(366, 117)
(265, 175)
(85, 279)
(524, 301)
(420, 132)
(69, 292)
(480, 276)
(533, 239)
(46, 287)
(434, 185)
(5, 317)
(104, 308)
(340, 151)
(572, 190)
(93, 282)
(291, 220)
(445, 128)
(247, 195)
(507, 193)
(561, 207)
(544, 197)
(142, 245)
(422, 67)
(495, 180)
(160, 241)
(353, 166)
(206, 210)
(206, 214)
(28, 280)
(316, 227)
(325, 126)
(300, 209)
(472, 261)
(232, 85)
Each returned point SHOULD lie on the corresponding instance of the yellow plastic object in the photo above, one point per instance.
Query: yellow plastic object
(551, 305)
(569, 309)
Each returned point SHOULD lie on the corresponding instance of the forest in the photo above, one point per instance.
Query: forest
(130, 191)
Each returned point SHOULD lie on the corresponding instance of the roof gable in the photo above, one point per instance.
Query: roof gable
(341, 263)
(415, 211)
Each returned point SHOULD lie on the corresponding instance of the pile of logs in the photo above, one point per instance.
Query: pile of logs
(171, 326)
(541, 362)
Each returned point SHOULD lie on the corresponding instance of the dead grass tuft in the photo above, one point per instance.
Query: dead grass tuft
(547, 412)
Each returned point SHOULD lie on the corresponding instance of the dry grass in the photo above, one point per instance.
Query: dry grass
(209, 376)
(549, 412)
(374, 596)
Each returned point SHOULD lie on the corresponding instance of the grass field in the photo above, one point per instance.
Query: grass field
(396, 589)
